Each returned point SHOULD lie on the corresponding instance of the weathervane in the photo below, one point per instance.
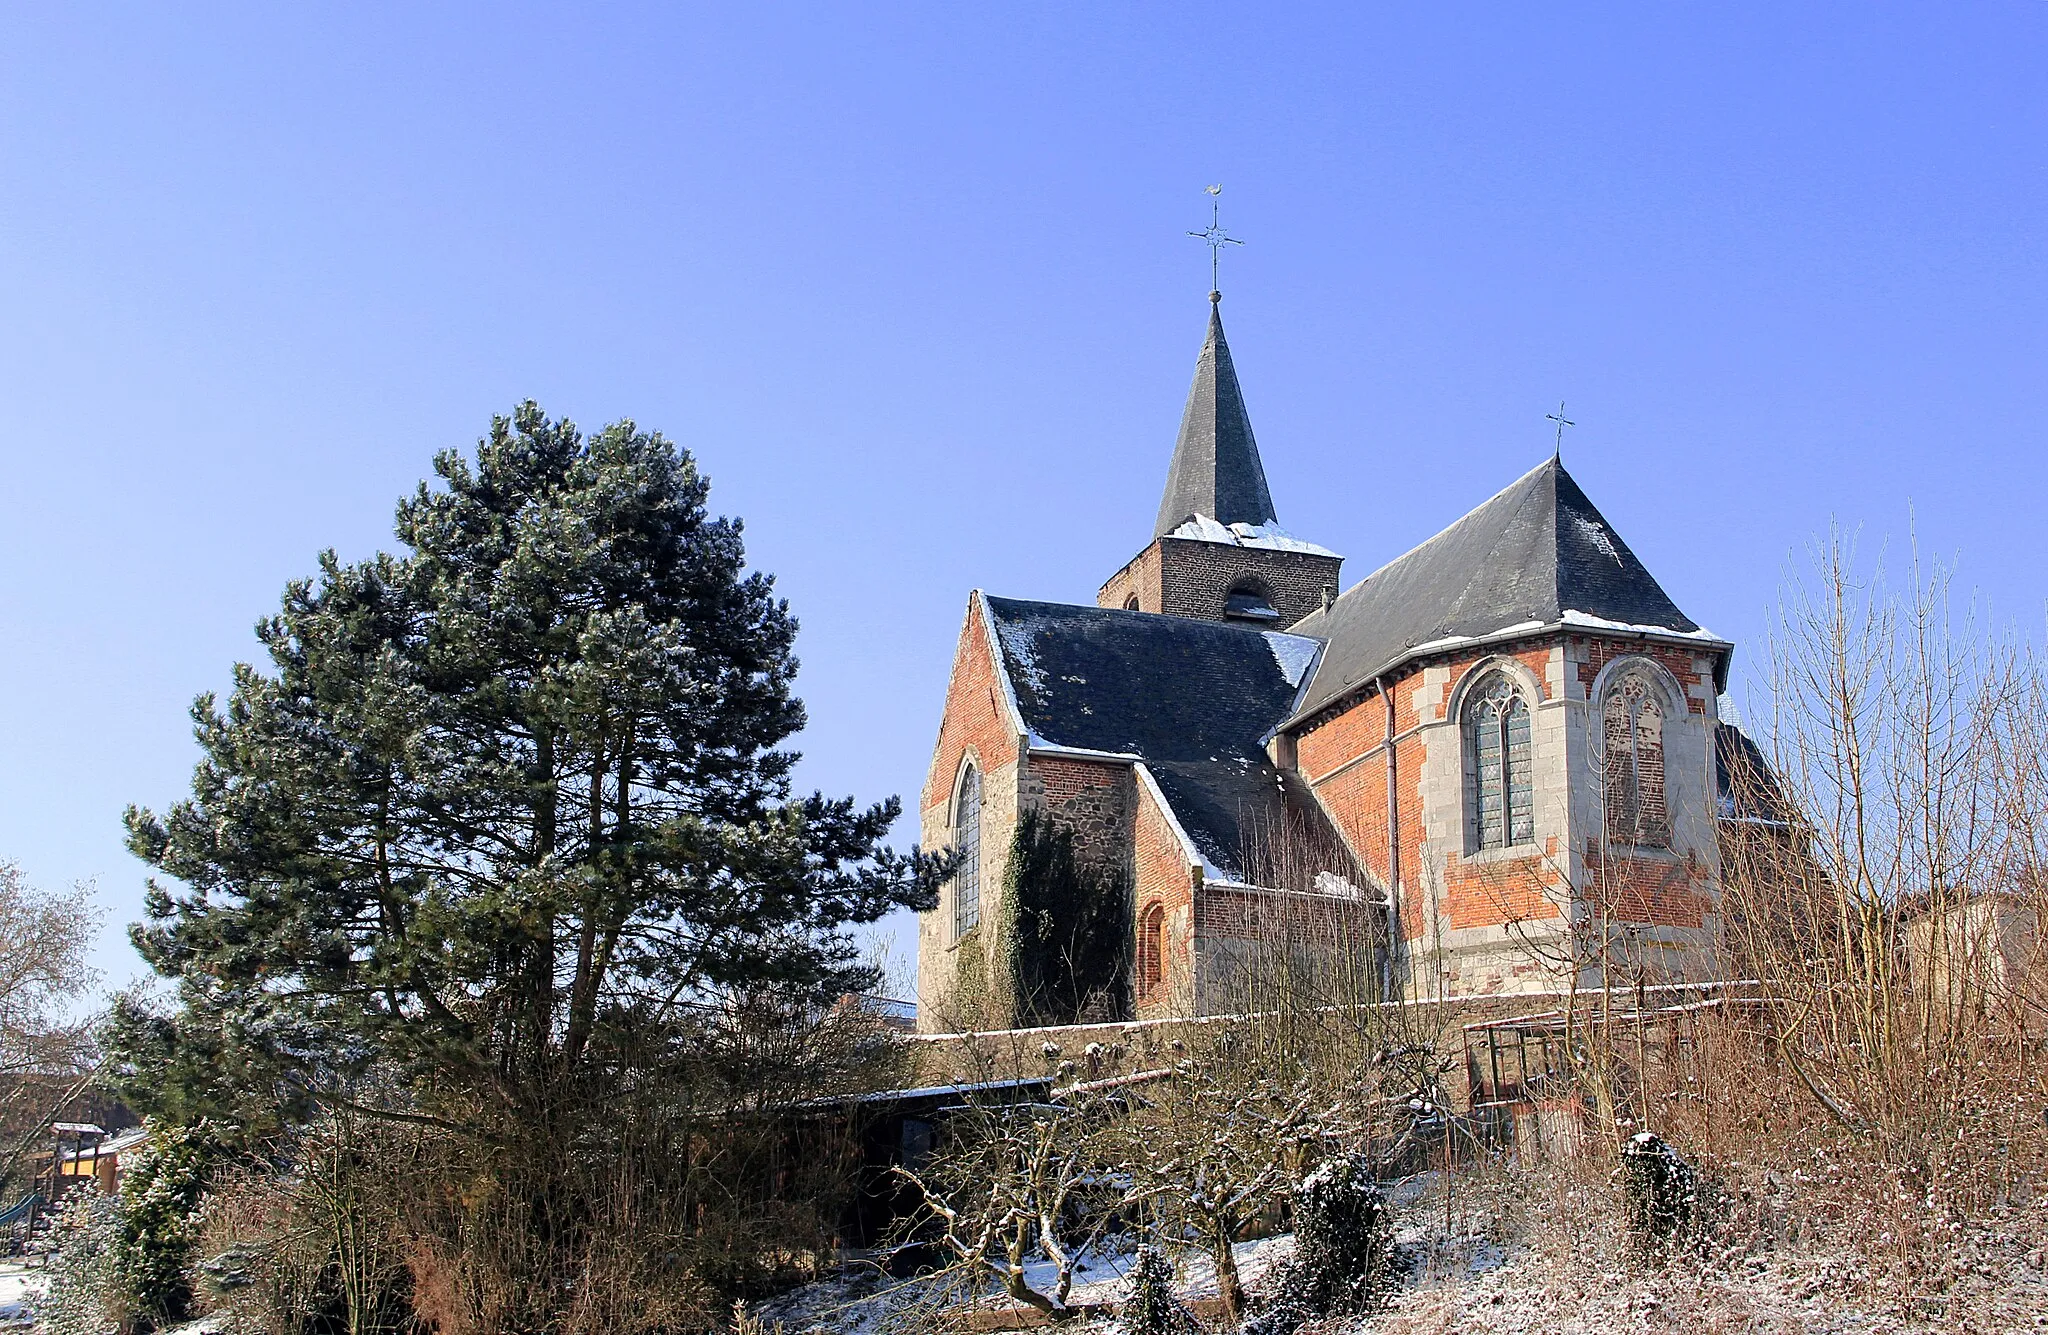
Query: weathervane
(1562, 422)
(1216, 239)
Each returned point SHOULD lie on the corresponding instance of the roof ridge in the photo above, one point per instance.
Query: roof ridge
(1446, 530)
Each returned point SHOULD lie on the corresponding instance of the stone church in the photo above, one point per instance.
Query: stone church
(1494, 764)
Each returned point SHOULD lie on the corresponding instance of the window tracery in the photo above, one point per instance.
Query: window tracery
(1497, 732)
(1633, 718)
(967, 841)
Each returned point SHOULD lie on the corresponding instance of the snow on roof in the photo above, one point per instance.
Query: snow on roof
(1591, 622)
(1270, 537)
(1536, 555)
(113, 1145)
(1294, 653)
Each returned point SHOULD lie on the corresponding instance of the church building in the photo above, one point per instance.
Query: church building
(1492, 765)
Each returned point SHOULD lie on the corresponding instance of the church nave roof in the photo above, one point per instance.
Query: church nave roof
(1537, 555)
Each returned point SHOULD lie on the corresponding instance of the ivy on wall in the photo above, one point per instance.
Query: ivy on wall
(1070, 945)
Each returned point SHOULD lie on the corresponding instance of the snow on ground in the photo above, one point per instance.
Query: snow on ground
(20, 1286)
(1483, 1275)
(1531, 1294)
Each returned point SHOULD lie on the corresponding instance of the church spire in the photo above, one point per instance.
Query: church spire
(1216, 470)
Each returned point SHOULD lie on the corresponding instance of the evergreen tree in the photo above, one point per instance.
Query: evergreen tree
(506, 808)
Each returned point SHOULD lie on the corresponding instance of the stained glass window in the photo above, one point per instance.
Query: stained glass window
(1503, 798)
(1637, 813)
(967, 839)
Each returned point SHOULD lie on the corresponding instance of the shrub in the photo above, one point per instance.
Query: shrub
(160, 1219)
(85, 1295)
(1151, 1308)
(1660, 1189)
(1343, 1249)
(1343, 1236)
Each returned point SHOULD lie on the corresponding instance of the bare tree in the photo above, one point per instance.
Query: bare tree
(1012, 1186)
(47, 1055)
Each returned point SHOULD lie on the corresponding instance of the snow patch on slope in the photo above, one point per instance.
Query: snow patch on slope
(1594, 533)
(1294, 653)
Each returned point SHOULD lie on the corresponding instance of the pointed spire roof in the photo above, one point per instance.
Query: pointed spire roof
(1538, 556)
(1216, 470)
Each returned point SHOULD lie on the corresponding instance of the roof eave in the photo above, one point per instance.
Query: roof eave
(1723, 649)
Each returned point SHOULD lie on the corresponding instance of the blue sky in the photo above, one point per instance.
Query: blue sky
(913, 283)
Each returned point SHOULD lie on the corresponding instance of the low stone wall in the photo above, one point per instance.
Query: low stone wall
(1082, 1052)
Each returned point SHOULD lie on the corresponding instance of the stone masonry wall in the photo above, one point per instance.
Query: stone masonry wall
(956, 975)
(1093, 799)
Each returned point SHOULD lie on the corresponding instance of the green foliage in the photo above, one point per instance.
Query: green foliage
(159, 1218)
(1151, 1308)
(85, 1295)
(504, 808)
(1343, 1261)
(1660, 1191)
(1071, 941)
(1343, 1234)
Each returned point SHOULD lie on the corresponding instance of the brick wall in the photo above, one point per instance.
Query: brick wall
(976, 721)
(1693, 669)
(975, 718)
(1491, 893)
(1189, 577)
(1091, 798)
(1194, 577)
(1223, 910)
(1139, 579)
(1649, 890)
(1343, 756)
(1162, 875)
(1355, 794)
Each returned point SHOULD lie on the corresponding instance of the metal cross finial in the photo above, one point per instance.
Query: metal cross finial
(1216, 239)
(1562, 422)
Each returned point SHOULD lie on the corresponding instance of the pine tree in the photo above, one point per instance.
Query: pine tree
(507, 807)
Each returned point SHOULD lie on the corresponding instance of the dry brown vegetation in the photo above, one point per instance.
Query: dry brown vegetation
(1860, 1118)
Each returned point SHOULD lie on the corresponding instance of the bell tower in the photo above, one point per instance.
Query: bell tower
(1218, 552)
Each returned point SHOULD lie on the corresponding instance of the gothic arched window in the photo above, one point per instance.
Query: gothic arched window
(1151, 948)
(967, 842)
(1634, 727)
(1497, 742)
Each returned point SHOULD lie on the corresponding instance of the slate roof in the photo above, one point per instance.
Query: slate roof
(1745, 785)
(1538, 554)
(1193, 699)
(1216, 470)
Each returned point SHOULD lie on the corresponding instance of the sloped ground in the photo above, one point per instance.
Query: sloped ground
(1543, 1267)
